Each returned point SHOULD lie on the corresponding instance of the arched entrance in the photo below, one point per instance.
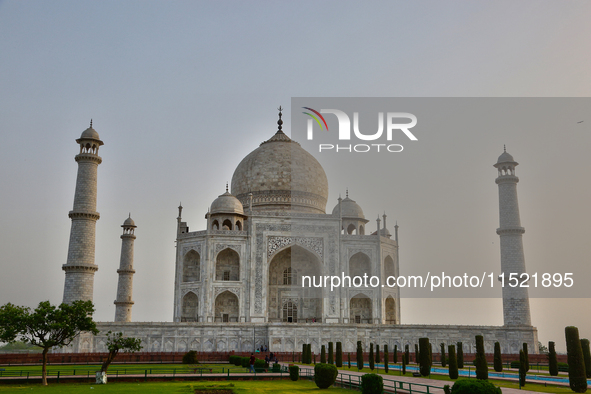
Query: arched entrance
(390, 310)
(360, 309)
(287, 300)
(190, 307)
(226, 307)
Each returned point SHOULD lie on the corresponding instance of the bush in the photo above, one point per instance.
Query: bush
(552, 362)
(339, 355)
(294, 372)
(190, 357)
(424, 354)
(480, 361)
(259, 364)
(371, 362)
(446, 389)
(330, 353)
(276, 367)
(562, 367)
(325, 375)
(372, 384)
(498, 360)
(460, 355)
(469, 386)
(515, 364)
(245, 362)
(576, 364)
(453, 363)
(232, 360)
(237, 361)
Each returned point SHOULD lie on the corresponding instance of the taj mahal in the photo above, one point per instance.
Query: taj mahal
(238, 282)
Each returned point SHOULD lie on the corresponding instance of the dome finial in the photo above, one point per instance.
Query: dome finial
(347, 193)
(91, 123)
(504, 148)
(130, 215)
(280, 122)
(226, 187)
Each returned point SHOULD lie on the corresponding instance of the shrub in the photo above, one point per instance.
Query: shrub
(395, 355)
(237, 361)
(232, 359)
(190, 357)
(515, 364)
(371, 362)
(498, 360)
(526, 353)
(480, 361)
(469, 386)
(330, 353)
(259, 364)
(323, 355)
(576, 364)
(552, 362)
(453, 362)
(425, 360)
(522, 368)
(276, 368)
(359, 356)
(339, 355)
(460, 355)
(377, 353)
(294, 372)
(245, 362)
(443, 364)
(372, 384)
(563, 367)
(586, 356)
(386, 356)
(325, 375)
(446, 389)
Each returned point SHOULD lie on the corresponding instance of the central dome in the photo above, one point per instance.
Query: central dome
(281, 175)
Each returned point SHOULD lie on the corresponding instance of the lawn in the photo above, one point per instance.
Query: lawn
(238, 387)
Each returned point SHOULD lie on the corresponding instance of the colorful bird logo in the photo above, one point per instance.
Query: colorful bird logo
(315, 118)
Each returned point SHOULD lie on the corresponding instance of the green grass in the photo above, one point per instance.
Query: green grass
(239, 387)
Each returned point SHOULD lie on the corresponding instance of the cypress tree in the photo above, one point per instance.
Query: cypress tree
(552, 361)
(526, 356)
(498, 360)
(339, 357)
(480, 360)
(407, 354)
(417, 354)
(453, 362)
(323, 355)
(359, 356)
(386, 358)
(395, 355)
(443, 364)
(522, 370)
(460, 355)
(330, 353)
(310, 354)
(424, 359)
(586, 356)
(404, 365)
(304, 353)
(377, 353)
(349, 359)
(371, 362)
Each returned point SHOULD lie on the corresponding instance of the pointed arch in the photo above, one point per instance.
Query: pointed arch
(226, 307)
(190, 307)
(359, 264)
(227, 265)
(389, 269)
(360, 309)
(227, 225)
(192, 266)
(390, 310)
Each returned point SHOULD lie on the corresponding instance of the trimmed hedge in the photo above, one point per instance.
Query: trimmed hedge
(576, 364)
(586, 356)
(522, 368)
(552, 361)
(480, 360)
(325, 375)
(371, 362)
(330, 353)
(190, 357)
(395, 355)
(424, 354)
(323, 355)
(498, 360)
(443, 363)
(377, 353)
(526, 353)
(339, 355)
(453, 362)
(359, 356)
(470, 386)
(372, 384)
(294, 372)
(386, 356)
(460, 355)
(245, 362)
(407, 354)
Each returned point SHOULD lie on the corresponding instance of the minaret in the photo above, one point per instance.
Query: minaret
(515, 299)
(125, 287)
(80, 267)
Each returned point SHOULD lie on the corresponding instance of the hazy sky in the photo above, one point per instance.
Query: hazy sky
(181, 91)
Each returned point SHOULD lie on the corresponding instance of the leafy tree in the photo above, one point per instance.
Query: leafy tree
(522, 368)
(586, 356)
(453, 362)
(188, 358)
(359, 356)
(386, 356)
(526, 356)
(339, 355)
(377, 353)
(443, 364)
(371, 361)
(330, 353)
(460, 355)
(480, 360)
(117, 342)
(47, 326)
(425, 360)
(323, 355)
(395, 355)
(552, 361)
(498, 360)
(541, 348)
(471, 386)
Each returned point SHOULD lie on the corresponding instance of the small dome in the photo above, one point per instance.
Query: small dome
(90, 133)
(227, 203)
(506, 158)
(350, 209)
(129, 222)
